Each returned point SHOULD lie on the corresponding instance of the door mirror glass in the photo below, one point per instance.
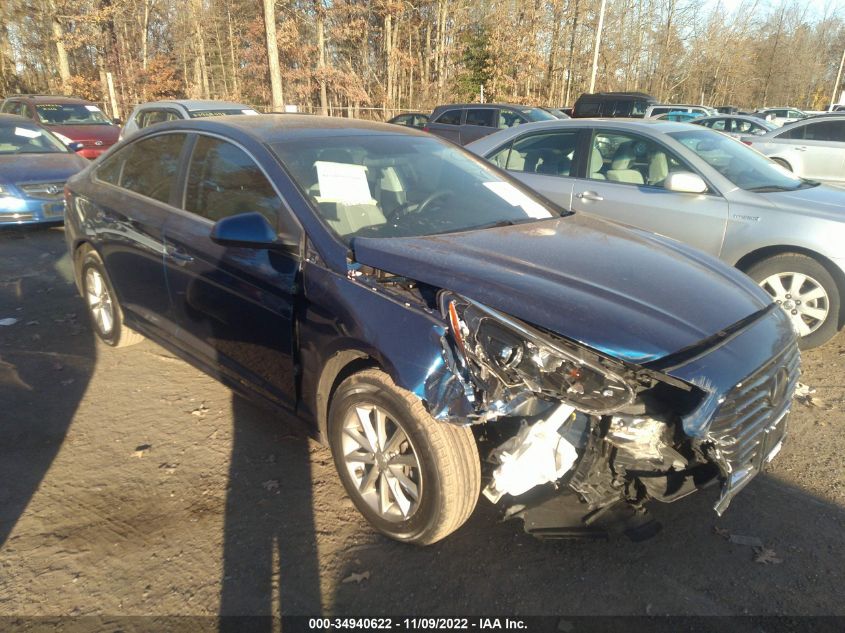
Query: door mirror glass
(685, 182)
(248, 230)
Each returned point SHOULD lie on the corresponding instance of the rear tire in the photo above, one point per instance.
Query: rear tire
(421, 480)
(806, 291)
(101, 301)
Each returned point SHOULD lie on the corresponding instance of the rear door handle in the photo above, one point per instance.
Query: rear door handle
(589, 196)
(802, 148)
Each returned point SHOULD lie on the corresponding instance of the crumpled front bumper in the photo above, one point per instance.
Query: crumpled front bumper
(750, 378)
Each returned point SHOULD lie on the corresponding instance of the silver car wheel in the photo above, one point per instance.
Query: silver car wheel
(99, 300)
(801, 297)
(382, 462)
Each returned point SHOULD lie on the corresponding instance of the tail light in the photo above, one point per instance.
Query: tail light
(425, 128)
(746, 142)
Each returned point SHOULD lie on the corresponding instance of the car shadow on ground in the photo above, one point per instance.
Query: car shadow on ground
(693, 567)
(47, 357)
(270, 563)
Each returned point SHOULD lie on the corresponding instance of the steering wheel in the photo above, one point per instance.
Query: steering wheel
(402, 209)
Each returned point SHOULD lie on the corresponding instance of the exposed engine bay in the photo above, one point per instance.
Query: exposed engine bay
(575, 442)
(580, 441)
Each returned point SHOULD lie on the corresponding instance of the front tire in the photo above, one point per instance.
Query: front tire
(101, 301)
(413, 478)
(806, 291)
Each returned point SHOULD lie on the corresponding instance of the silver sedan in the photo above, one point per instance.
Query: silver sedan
(736, 124)
(700, 187)
(812, 148)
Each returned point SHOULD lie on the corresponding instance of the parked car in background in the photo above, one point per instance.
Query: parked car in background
(72, 120)
(811, 148)
(147, 114)
(666, 108)
(557, 113)
(612, 104)
(34, 165)
(780, 116)
(700, 187)
(398, 294)
(736, 124)
(416, 120)
(463, 123)
(727, 109)
(679, 117)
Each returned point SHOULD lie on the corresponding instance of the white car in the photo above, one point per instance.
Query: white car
(813, 148)
(147, 114)
(780, 116)
(664, 108)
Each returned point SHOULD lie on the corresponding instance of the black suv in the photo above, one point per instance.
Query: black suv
(464, 123)
(613, 104)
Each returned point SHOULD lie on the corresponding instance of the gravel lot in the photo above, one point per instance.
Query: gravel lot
(131, 483)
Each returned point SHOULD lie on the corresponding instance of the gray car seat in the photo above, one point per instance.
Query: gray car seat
(620, 169)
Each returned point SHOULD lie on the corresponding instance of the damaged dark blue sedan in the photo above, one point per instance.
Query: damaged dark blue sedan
(445, 330)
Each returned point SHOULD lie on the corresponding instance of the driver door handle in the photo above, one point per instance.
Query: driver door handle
(178, 256)
(589, 196)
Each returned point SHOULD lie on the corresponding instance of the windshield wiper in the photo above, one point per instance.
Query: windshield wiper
(771, 188)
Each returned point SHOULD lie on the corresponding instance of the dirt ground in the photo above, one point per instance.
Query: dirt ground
(133, 484)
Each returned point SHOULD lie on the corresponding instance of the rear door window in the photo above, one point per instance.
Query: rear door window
(589, 108)
(450, 117)
(794, 133)
(148, 166)
(547, 153)
(485, 117)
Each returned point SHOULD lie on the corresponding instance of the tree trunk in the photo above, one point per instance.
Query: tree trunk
(278, 99)
(61, 53)
(321, 56)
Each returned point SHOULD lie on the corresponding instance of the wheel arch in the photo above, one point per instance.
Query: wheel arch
(337, 369)
(79, 249)
(750, 259)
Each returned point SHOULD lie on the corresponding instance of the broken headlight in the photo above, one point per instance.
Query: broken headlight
(521, 358)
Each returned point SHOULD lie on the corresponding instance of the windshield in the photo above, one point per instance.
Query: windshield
(400, 186)
(743, 166)
(536, 114)
(71, 114)
(201, 114)
(26, 139)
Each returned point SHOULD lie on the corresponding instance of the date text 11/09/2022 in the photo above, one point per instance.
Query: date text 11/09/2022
(413, 624)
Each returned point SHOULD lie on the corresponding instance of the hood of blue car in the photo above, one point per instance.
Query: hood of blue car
(39, 167)
(628, 293)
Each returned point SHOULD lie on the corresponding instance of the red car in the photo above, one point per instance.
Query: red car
(71, 119)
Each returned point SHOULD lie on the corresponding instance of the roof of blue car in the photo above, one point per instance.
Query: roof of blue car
(271, 128)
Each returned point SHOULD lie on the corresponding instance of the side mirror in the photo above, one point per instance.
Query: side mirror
(117, 121)
(75, 146)
(248, 230)
(685, 182)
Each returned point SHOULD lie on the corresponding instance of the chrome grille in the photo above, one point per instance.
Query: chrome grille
(751, 422)
(44, 190)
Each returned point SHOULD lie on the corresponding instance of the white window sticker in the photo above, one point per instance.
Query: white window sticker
(22, 131)
(515, 197)
(342, 182)
(91, 108)
(248, 111)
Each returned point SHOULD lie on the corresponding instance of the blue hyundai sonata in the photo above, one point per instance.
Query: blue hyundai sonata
(445, 330)
(34, 166)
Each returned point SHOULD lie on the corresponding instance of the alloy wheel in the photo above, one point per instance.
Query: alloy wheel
(803, 298)
(99, 300)
(382, 462)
